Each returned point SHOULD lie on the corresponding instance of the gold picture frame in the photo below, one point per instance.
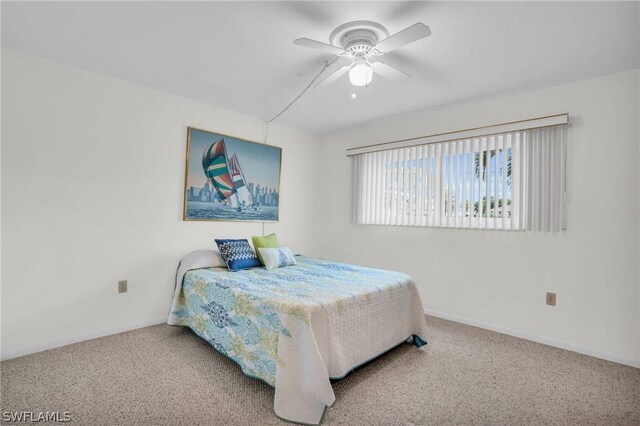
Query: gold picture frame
(230, 179)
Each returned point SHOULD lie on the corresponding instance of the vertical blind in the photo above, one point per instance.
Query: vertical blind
(507, 181)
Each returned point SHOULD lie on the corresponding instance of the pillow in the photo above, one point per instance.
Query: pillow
(277, 257)
(238, 254)
(260, 242)
(202, 259)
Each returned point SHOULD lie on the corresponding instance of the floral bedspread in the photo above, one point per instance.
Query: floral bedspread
(296, 327)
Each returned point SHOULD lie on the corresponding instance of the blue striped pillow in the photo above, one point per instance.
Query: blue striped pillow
(238, 254)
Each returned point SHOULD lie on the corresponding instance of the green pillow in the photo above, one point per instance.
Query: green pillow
(270, 241)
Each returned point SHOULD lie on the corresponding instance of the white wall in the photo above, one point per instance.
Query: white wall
(92, 187)
(593, 266)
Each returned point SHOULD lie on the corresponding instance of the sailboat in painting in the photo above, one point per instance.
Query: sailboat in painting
(243, 196)
(227, 178)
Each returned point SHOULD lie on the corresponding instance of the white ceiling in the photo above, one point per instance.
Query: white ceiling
(240, 56)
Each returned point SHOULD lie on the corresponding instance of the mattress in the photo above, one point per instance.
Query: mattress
(299, 326)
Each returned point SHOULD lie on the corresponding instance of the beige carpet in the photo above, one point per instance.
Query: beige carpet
(165, 375)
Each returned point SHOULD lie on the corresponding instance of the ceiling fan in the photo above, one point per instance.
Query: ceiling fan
(363, 43)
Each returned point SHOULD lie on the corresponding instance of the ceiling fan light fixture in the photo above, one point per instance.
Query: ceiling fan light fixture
(360, 74)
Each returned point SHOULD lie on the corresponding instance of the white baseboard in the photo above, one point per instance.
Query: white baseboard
(539, 339)
(80, 338)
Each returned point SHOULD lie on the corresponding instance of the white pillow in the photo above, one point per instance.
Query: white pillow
(202, 259)
(277, 257)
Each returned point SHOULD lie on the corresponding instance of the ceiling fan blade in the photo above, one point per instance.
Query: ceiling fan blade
(307, 42)
(390, 72)
(333, 77)
(404, 37)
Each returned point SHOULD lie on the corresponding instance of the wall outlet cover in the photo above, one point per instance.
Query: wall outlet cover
(551, 299)
(122, 286)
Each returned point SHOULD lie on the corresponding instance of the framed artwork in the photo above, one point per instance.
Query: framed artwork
(230, 179)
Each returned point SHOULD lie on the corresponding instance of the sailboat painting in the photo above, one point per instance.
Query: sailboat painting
(232, 179)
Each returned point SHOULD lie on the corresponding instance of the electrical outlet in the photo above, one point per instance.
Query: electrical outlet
(122, 286)
(551, 299)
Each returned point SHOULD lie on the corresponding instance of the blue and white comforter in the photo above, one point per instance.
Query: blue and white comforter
(297, 327)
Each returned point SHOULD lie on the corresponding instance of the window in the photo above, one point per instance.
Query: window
(506, 181)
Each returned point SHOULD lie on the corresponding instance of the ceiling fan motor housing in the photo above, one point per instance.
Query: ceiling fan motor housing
(358, 38)
(358, 41)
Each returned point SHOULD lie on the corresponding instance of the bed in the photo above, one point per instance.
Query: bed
(299, 326)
